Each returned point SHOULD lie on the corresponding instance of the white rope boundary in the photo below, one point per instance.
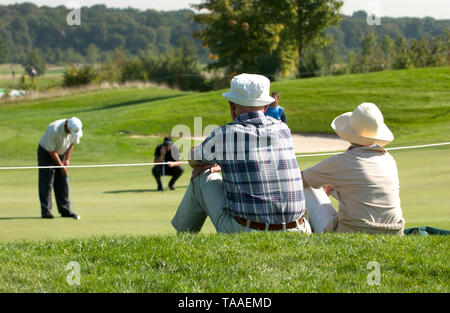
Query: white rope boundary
(162, 163)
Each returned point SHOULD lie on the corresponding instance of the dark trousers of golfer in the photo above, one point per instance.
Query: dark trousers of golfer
(52, 179)
(175, 172)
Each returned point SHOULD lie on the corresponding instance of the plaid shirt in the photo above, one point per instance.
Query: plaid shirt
(260, 173)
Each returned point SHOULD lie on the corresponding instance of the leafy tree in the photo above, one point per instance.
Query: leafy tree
(4, 51)
(305, 20)
(27, 83)
(34, 61)
(133, 70)
(402, 58)
(238, 33)
(93, 54)
(331, 58)
(242, 32)
(77, 76)
(419, 52)
(313, 63)
(438, 52)
(163, 38)
(388, 48)
(371, 58)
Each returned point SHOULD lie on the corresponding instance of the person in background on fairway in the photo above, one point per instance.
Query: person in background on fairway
(275, 110)
(364, 179)
(167, 152)
(261, 188)
(55, 149)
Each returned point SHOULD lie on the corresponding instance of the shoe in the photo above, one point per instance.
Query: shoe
(72, 215)
(48, 216)
(160, 188)
(172, 187)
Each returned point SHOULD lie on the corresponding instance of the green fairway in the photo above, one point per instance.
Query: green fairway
(124, 200)
(122, 204)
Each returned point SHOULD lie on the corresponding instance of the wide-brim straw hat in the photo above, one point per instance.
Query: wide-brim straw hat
(250, 90)
(364, 126)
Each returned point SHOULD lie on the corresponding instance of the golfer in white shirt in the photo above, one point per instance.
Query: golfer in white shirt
(55, 149)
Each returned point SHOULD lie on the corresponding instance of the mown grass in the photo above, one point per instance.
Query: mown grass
(276, 262)
(115, 201)
(416, 105)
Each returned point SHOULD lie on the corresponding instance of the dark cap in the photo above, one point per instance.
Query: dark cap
(167, 141)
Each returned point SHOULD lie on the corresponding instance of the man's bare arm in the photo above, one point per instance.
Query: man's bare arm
(56, 158)
(68, 155)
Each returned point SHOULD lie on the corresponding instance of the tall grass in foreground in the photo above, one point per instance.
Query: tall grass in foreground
(265, 262)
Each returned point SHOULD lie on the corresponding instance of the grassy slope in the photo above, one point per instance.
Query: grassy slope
(416, 105)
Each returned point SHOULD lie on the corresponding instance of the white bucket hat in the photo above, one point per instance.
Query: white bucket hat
(74, 124)
(364, 126)
(250, 90)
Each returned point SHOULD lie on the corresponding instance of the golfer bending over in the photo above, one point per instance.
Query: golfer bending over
(365, 179)
(55, 149)
(261, 188)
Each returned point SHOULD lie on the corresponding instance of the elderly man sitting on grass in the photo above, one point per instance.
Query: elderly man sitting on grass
(261, 188)
(364, 179)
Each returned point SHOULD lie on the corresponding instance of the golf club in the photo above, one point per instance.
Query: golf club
(163, 175)
(76, 217)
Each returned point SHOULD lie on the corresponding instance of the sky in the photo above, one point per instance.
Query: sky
(439, 9)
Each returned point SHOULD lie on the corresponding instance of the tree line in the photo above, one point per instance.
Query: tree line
(286, 38)
(24, 27)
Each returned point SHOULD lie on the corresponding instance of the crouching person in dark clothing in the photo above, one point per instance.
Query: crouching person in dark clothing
(167, 152)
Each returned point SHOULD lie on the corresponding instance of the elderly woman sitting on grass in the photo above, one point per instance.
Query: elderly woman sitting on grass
(364, 179)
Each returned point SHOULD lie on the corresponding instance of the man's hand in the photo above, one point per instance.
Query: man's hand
(58, 162)
(328, 189)
(199, 169)
(65, 172)
(174, 164)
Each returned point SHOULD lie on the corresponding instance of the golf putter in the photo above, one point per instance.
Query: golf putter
(76, 217)
(163, 176)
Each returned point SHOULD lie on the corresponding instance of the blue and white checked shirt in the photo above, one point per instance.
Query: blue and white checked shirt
(260, 173)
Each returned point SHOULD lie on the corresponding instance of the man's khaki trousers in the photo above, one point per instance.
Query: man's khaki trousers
(204, 197)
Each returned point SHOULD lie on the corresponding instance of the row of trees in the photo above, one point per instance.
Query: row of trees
(26, 26)
(378, 55)
(388, 54)
(305, 38)
(273, 24)
(179, 68)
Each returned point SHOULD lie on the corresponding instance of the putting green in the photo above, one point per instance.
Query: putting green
(124, 200)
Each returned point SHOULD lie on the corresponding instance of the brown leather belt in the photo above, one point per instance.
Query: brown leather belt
(272, 227)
